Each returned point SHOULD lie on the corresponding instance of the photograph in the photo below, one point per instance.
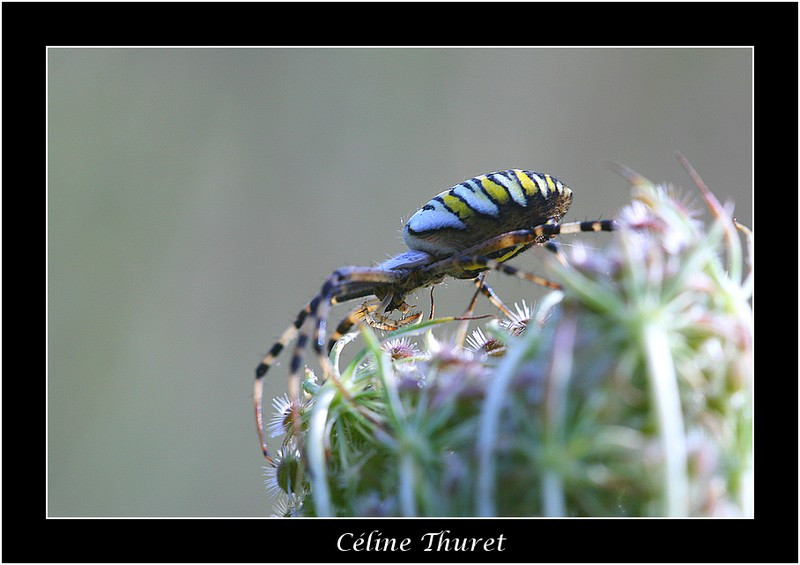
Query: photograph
(403, 294)
(210, 208)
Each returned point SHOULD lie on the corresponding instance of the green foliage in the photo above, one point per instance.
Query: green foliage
(627, 393)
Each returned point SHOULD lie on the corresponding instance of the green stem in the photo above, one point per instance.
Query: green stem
(555, 413)
(666, 398)
(489, 422)
(316, 452)
(407, 505)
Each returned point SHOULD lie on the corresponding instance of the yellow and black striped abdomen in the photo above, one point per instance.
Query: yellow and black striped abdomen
(483, 207)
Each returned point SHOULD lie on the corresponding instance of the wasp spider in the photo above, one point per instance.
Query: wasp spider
(461, 232)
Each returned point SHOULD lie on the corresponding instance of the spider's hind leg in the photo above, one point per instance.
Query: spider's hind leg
(266, 363)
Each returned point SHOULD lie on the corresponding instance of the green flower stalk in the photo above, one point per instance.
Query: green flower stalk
(626, 393)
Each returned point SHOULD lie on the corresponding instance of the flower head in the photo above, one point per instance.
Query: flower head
(282, 420)
(516, 323)
(478, 342)
(400, 348)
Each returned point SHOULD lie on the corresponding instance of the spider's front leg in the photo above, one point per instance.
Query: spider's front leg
(354, 282)
(374, 313)
(366, 313)
(310, 310)
(266, 363)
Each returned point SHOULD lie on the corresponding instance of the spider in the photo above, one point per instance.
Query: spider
(473, 227)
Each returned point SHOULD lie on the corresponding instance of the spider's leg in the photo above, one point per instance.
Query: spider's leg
(554, 247)
(341, 283)
(317, 310)
(345, 325)
(365, 313)
(386, 324)
(295, 366)
(461, 333)
(518, 237)
(477, 258)
(379, 321)
(382, 322)
(487, 263)
(576, 227)
(407, 319)
(267, 362)
(353, 318)
(572, 227)
(476, 261)
(431, 316)
(319, 318)
(489, 293)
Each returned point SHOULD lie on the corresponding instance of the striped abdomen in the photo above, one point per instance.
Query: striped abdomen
(485, 206)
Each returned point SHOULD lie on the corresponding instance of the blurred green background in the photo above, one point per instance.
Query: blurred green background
(197, 198)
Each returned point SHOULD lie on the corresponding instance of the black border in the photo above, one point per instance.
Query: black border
(29, 27)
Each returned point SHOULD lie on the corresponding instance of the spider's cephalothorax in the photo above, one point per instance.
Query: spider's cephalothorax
(472, 227)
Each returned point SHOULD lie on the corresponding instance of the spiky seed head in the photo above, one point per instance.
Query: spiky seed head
(479, 343)
(400, 348)
(517, 323)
